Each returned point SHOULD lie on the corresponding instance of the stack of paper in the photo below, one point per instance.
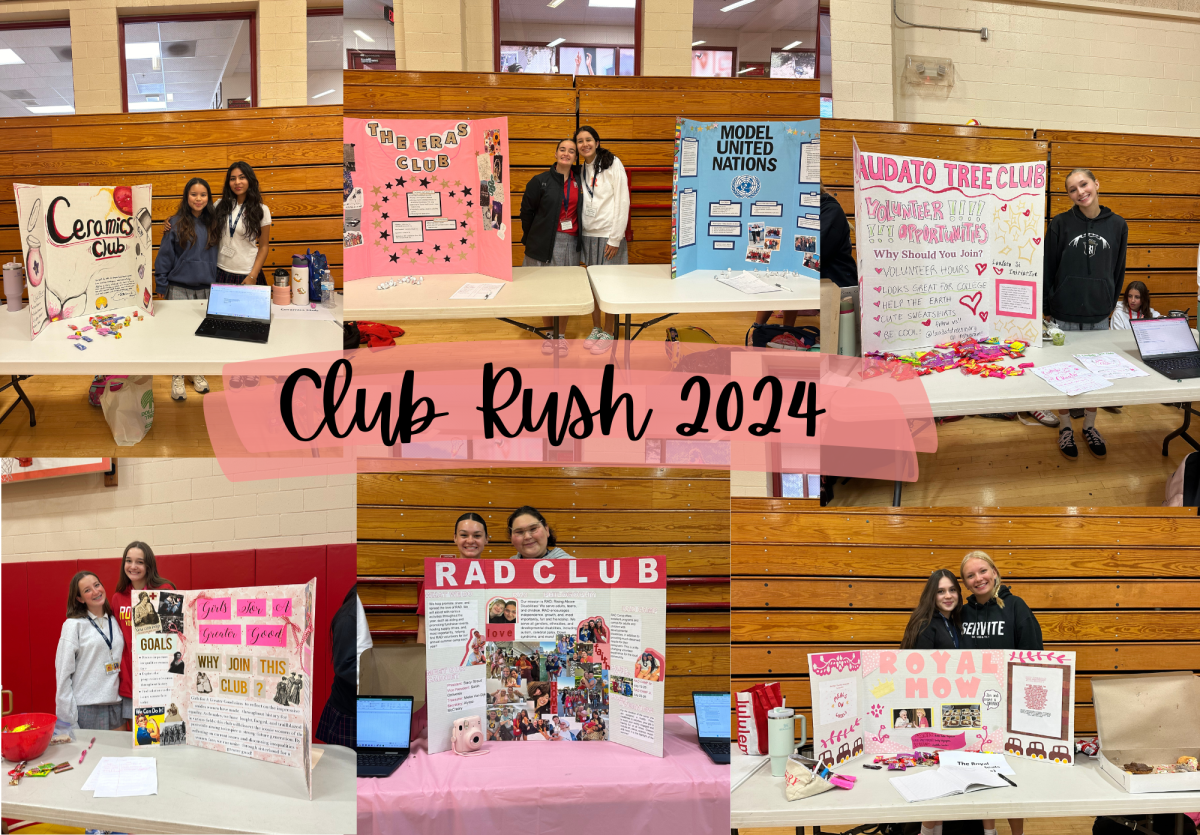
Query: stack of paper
(945, 781)
(1110, 365)
(123, 777)
(1070, 379)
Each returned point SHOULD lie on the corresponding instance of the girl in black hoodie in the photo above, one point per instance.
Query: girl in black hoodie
(1083, 273)
(936, 623)
(995, 618)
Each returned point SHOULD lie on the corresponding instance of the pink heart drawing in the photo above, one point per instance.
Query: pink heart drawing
(998, 270)
(983, 315)
(1004, 208)
(1037, 240)
(878, 289)
(877, 304)
(878, 270)
(1027, 213)
(878, 332)
(877, 318)
(979, 268)
(926, 322)
(974, 300)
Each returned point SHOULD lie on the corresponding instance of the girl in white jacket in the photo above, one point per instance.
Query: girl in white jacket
(604, 218)
(88, 662)
(1134, 304)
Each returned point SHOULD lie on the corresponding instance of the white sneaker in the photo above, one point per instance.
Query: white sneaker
(178, 392)
(562, 346)
(200, 384)
(548, 346)
(1045, 418)
(600, 345)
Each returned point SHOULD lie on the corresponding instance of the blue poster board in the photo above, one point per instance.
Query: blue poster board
(745, 195)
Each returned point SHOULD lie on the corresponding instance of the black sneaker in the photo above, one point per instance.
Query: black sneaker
(1077, 414)
(1066, 444)
(1095, 442)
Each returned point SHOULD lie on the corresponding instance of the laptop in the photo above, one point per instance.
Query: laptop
(1167, 346)
(238, 311)
(384, 725)
(713, 724)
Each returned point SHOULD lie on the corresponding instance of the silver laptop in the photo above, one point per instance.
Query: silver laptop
(1168, 346)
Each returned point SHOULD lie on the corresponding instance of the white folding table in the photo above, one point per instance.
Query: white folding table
(556, 292)
(649, 289)
(199, 790)
(165, 343)
(1044, 790)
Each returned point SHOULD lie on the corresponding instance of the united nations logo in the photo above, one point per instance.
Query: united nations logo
(745, 185)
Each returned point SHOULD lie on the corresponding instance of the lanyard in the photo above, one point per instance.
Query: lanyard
(107, 640)
(567, 193)
(595, 173)
(233, 221)
(950, 628)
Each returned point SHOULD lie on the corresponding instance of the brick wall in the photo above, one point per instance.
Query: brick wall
(1133, 66)
(176, 505)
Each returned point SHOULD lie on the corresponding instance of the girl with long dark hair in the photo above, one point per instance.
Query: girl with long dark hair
(936, 623)
(139, 571)
(532, 536)
(88, 659)
(605, 219)
(244, 222)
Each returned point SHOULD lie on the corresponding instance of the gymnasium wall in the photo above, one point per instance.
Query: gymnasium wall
(1128, 66)
(1119, 587)
(1150, 180)
(595, 512)
(35, 604)
(296, 154)
(635, 117)
(174, 505)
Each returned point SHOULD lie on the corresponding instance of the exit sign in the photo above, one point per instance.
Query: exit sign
(389, 14)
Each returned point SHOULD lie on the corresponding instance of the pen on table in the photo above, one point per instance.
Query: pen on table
(1010, 782)
(82, 754)
(90, 744)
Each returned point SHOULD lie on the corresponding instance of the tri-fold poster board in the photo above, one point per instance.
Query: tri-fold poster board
(746, 195)
(948, 251)
(86, 250)
(547, 650)
(426, 197)
(886, 701)
(226, 669)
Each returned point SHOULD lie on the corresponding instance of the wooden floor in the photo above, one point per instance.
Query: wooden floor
(1033, 826)
(985, 462)
(67, 427)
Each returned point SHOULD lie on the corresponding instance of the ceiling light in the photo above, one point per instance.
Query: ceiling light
(147, 105)
(557, 41)
(792, 45)
(325, 93)
(156, 64)
(51, 109)
(364, 36)
(733, 6)
(697, 43)
(554, 4)
(7, 56)
(613, 4)
(141, 50)
(170, 97)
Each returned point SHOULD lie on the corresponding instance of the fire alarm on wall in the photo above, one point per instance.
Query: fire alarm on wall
(923, 71)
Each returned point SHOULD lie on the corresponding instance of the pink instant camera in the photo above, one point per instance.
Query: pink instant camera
(466, 737)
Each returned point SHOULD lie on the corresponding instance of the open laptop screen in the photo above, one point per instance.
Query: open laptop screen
(712, 715)
(384, 722)
(1162, 337)
(240, 300)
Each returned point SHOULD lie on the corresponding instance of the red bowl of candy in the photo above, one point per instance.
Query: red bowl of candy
(31, 742)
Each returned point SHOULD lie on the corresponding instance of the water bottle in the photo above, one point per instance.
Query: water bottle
(781, 737)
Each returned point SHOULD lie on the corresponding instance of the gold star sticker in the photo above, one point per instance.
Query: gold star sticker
(378, 242)
(470, 232)
(374, 207)
(375, 190)
(460, 201)
(450, 245)
(472, 246)
(404, 250)
(458, 182)
(412, 260)
(462, 256)
(375, 223)
(431, 259)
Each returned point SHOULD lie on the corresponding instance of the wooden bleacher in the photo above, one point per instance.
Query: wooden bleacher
(596, 512)
(295, 151)
(635, 117)
(1119, 587)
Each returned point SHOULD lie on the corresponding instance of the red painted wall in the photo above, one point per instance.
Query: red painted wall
(27, 664)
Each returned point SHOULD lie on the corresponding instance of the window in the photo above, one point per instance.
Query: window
(793, 64)
(35, 69)
(711, 63)
(189, 62)
(568, 37)
(369, 35)
(324, 56)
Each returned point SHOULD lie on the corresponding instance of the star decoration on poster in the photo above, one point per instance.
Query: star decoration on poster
(374, 207)
(394, 258)
(424, 183)
(385, 198)
(375, 190)
(467, 191)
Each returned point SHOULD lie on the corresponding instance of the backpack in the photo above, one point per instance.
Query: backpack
(760, 335)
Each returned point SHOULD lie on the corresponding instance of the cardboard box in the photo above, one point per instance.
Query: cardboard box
(1152, 719)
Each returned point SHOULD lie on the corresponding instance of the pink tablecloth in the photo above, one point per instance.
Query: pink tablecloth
(552, 788)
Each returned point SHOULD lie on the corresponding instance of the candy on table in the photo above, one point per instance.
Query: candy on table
(118, 336)
(86, 338)
(85, 329)
(81, 347)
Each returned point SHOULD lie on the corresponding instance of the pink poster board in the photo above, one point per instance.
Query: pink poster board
(426, 197)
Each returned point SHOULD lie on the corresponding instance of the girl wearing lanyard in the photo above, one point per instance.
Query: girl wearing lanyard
(139, 570)
(936, 623)
(88, 662)
(550, 222)
(605, 217)
(245, 225)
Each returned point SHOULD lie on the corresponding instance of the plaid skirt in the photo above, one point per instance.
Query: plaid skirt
(564, 254)
(337, 728)
(593, 252)
(101, 717)
(178, 292)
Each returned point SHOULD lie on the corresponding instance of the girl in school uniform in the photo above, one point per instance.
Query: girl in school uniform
(338, 724)
(936, 623)
(532, 536)
(244, 222)
(995, 618)
(139, 571)
(186, 264)
(1084, 271)
(550, 219)
(605, 219)
(87, 664)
